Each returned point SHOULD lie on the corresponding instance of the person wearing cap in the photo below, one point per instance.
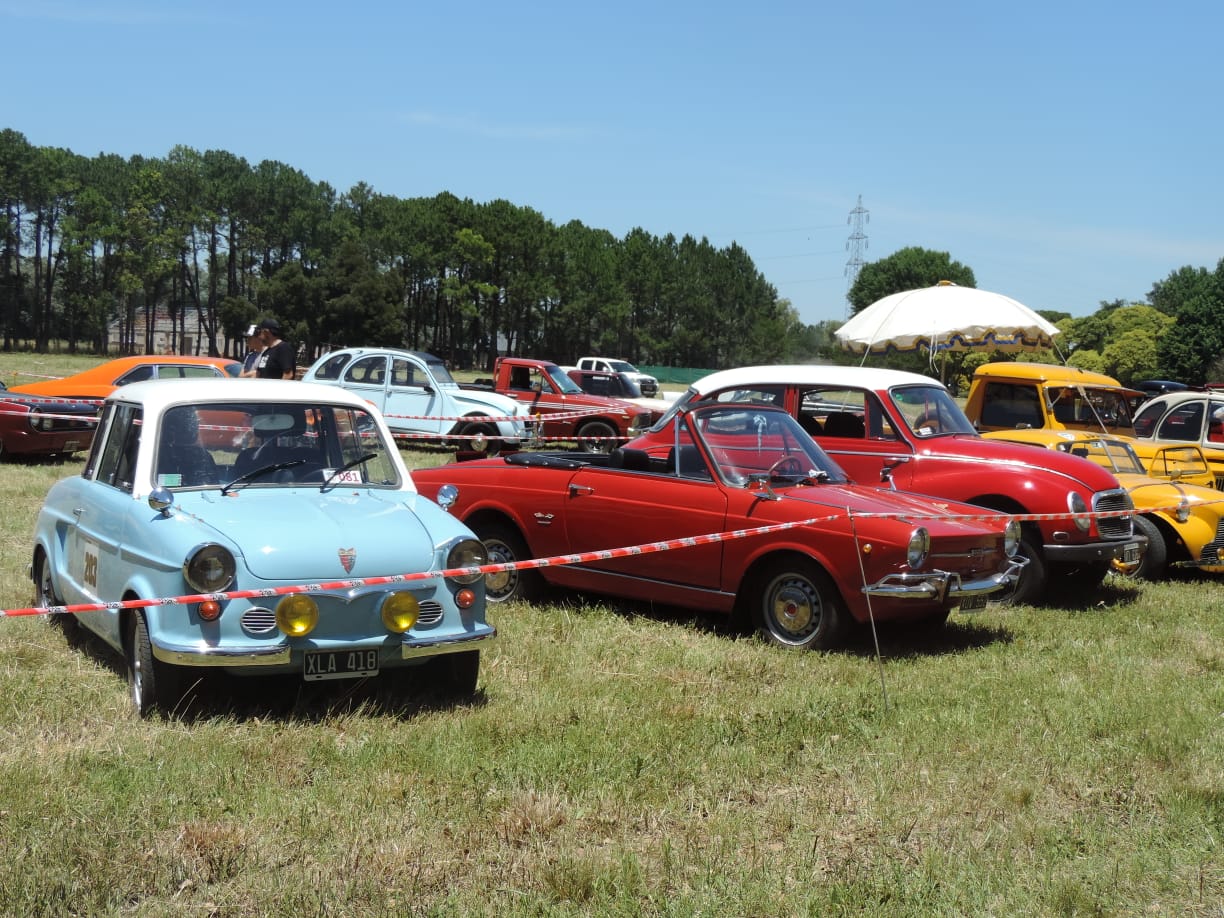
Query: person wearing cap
(250, 362)
(277, 361)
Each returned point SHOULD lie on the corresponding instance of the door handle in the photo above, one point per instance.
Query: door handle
(575, 490)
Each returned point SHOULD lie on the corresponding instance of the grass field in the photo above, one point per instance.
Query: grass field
(624, 760)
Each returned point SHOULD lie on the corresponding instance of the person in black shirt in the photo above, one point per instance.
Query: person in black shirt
(277, 360)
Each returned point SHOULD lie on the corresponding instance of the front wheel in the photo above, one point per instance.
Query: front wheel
(480, 429)
(797, 606)
(603, 436)
(1033, 577)
(505, 546)
(1155, 560)
(154, 686)
(44, 596)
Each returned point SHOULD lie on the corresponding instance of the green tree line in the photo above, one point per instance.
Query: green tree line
(1178, 333)
(97, 245)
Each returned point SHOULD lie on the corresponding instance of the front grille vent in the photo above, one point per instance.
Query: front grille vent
(1113, 527)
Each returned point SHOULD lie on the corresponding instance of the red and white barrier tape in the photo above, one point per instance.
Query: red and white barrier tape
(555, 561)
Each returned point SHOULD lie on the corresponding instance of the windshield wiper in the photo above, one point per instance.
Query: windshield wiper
(262, 470)
(344, 468)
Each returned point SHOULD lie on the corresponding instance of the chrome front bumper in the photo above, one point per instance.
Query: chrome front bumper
(943, 585)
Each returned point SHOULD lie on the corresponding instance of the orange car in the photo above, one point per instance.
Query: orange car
(100, 381)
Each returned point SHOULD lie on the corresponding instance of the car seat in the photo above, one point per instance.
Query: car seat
(181, 460)
(843, 424)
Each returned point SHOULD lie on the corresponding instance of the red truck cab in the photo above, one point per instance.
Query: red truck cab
(565, 412)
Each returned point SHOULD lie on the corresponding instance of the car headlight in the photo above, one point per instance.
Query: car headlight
(400, 611)
(297, 615)
(467, 553)
(919, 547)
(1079, 509)
(1011, 538)
(209, 568)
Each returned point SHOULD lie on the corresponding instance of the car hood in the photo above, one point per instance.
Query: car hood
(302, 535)
(975, 448)
(502, 405)
(929, 511)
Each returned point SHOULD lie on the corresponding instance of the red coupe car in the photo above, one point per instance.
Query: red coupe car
(833, 553)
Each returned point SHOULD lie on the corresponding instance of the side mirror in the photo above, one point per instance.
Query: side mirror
(161, 500)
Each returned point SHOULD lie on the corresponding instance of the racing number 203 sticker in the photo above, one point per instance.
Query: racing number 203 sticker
(89, 560)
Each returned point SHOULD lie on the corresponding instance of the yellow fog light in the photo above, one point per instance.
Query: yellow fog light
(400, 612)
(297, 615)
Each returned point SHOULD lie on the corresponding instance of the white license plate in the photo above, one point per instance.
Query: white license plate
(339, 664)
(973, 603)
(1130, 554)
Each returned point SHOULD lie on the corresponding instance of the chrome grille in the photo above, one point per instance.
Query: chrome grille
(431, 614)
(1211, 551)
(1113, 527)
(258, 620)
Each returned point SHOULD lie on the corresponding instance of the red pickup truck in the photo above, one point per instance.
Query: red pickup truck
(596, 423)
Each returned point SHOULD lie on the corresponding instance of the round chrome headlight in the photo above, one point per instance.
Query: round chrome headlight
(1079, 510)
(919, 547)
(209, 568)
(467, 553)
(1011, 538)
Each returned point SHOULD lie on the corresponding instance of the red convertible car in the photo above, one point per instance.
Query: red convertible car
(835, 553)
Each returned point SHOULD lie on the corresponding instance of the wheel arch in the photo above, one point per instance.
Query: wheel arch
(774, 555)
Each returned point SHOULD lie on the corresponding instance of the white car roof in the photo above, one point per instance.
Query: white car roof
(155, 395)
(810, 374)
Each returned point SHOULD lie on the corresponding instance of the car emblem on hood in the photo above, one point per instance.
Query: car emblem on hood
(348, 557)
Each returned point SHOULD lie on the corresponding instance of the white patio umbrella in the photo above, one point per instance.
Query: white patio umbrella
(946, 318)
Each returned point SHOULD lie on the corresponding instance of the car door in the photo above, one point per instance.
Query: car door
(614, 508)
(92, 568)
(367, 377)
(852, 426)
(412, 403)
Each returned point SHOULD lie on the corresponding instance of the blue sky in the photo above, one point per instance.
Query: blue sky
(1068, 153)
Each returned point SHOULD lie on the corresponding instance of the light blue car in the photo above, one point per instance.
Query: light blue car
(291, 495)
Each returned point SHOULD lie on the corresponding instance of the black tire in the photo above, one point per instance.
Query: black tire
(797, 606)
(1155, 562)
(44, 595)
(601, 429)
(154, 686)
(1034, 578)
(456, 673)
(504, 545)
(482, 428)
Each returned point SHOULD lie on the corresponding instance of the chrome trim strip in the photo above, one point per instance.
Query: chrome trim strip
(411, 649)
(216, 656)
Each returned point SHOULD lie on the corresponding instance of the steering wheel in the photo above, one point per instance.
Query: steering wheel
(786, 466)
(930, 420)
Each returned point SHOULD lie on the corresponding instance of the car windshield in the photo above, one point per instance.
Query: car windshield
(1115, 455)
(271, 444)
(1091, 408)
(442, 376)
(930, 411)
(747, 442)
(560, 381)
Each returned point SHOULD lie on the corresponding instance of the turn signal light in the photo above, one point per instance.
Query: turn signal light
(210, 610)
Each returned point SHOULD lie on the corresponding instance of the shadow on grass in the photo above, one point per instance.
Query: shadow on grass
(210, 694)
(897, 639)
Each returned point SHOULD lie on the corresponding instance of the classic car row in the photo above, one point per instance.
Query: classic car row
(806, 500)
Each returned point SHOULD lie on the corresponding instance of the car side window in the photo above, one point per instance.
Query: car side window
(331, 368)
(116, 464)
(1185, 422)
(405, 373)
(136, 374)
(368, 370)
